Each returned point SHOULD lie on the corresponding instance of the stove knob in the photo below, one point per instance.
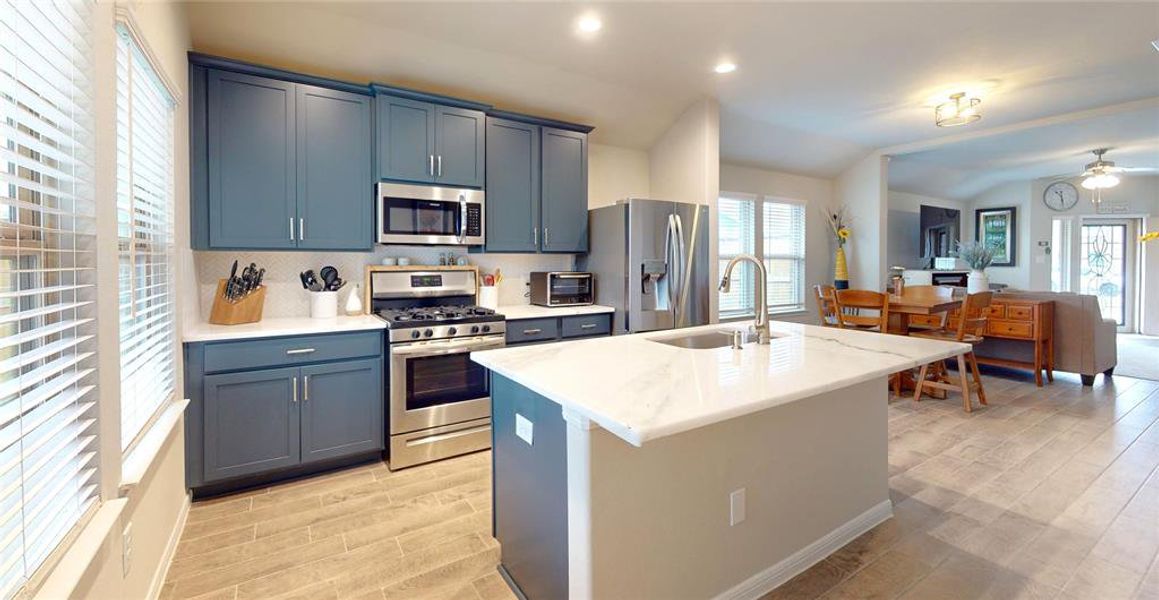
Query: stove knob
(486, 328)
(474, 329)
(428, 333)
(415, 333)
(452, 331)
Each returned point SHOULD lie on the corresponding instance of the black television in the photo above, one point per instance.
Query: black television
(940, 231)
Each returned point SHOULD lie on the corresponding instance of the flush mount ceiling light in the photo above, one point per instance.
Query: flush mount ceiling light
(960, 110)
(588, 24)
(724, 67)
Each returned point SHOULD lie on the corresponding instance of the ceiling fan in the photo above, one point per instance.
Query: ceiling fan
(1101, 174)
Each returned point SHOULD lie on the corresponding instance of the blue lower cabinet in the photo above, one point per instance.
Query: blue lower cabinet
(251, 422)
(552, 329)
(287, 413)
(342, 409)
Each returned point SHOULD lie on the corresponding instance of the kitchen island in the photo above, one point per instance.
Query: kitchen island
(626, 467)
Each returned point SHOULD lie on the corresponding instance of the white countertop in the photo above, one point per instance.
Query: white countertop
(647, 390)
(206, 332)
(515, 312)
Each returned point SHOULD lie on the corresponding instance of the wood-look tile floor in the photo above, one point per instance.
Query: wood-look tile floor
(1049, 492)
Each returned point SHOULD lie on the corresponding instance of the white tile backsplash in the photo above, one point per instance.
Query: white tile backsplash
(286, 298)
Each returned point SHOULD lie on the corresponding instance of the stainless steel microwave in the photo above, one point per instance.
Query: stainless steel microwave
(562, 288)
(429, 215)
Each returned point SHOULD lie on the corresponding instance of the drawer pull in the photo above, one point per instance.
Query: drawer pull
(532, 331)
(588, 326)
(299, 351)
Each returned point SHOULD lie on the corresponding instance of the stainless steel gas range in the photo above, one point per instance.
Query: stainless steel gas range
(439, 400)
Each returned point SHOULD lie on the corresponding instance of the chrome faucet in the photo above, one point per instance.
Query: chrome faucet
(761, 325)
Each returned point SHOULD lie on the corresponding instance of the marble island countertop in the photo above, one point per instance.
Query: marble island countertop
(648, 390)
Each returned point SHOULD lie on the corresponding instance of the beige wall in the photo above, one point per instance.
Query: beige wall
(862, 189)
(616, 173)
(156, 506)
(816, 194)
(1016, 194)
(684, 166)
(903, 228)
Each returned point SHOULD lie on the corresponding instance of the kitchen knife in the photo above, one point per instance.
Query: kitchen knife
(261, 275)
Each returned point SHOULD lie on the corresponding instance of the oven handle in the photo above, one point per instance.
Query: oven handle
(447, 348)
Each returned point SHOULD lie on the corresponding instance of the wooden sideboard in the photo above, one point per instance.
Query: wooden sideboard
(1029, 321)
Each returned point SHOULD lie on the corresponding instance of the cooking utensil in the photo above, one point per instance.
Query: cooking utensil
(328, 274)
(305, 280)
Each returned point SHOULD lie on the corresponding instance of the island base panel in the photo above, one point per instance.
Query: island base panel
(529, 490)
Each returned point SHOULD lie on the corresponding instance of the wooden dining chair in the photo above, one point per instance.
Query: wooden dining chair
(826, 305)
(851, 303)
(968, 329)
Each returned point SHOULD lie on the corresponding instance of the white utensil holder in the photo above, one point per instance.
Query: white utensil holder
(489, 296)
(323, 305)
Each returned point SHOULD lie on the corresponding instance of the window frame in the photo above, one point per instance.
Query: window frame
(758, 241)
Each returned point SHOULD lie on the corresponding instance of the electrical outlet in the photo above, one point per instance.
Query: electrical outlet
(126, 549)
(736, 507)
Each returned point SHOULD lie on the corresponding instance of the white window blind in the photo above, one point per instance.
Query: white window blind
(145, 238)
(773, 230)
(47, 262)
(783, 242)
(736, 234)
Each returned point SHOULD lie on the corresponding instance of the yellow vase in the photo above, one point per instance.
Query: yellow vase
(840, 270)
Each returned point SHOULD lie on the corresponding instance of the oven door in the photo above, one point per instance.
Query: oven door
(569, 289)
(436, 383)
(409, 214)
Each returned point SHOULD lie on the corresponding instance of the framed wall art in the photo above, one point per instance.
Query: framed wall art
(997, 228)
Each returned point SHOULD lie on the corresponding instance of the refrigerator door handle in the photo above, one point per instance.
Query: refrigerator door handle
(682, 269)
(669, 251)
(686, 259)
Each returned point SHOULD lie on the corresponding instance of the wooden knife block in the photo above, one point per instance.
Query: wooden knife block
(245, 310)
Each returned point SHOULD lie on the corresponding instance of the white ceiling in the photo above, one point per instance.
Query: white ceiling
(966, 168)
(818, 84)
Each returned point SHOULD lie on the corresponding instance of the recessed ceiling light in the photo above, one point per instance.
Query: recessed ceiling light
(589, 24)
(724, 67)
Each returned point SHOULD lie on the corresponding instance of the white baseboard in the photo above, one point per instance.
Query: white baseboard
(170, 550)
(768, 579)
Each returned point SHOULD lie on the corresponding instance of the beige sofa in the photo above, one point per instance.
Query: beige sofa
(1084, 342)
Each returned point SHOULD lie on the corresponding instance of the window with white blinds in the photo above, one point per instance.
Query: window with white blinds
(48, 465)
(145, 238)
(773, 230)
(736, 222)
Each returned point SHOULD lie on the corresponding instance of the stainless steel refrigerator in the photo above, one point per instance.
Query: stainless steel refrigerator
(650, 259)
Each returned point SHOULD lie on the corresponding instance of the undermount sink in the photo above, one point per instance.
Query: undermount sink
(699, 341)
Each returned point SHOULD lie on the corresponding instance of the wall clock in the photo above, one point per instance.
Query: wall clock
(1060, 196)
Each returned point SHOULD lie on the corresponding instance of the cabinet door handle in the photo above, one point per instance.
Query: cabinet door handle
(532, 331)
(431, 165)
(439, 167)
(588, 326)
(295, 396)
(534, 236)
(306, 388)
(291, 229)
(299, 351)
(301, 229)
(545, 236)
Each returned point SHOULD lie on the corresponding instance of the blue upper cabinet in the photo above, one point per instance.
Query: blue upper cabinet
(278, 164)
(251, 163)
(537, 186)
(459, 147)
(427, 142)
(335, 184)
(512, 186)
(406, 139)
(565, 191)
